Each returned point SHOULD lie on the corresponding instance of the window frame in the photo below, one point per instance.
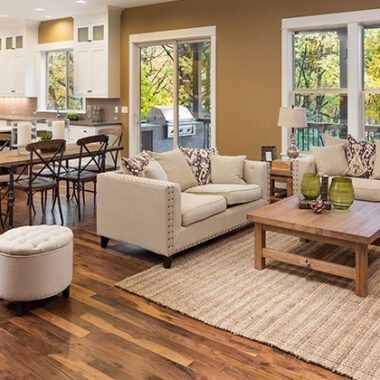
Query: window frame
(168, 36)
(354, 22)
(44, 50)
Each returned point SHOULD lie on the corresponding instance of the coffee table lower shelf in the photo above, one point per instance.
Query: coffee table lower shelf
(359, 274)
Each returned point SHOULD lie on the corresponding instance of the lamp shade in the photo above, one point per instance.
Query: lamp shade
(292, 117)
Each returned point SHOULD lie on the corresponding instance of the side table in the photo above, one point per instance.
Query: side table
(281, 171)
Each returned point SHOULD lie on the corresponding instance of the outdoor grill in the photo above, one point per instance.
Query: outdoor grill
(158, 131)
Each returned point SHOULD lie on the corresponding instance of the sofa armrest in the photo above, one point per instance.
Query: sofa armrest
(257, 172)
(140, 211)
(302, 165)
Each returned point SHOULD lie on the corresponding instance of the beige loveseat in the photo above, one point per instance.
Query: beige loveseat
(366, 189)
(157, 216)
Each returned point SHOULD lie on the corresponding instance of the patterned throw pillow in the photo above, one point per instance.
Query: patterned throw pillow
(200, 162)
(360, 157)
(135, 165)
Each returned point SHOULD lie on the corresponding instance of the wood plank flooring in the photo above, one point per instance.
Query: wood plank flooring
(102, 332)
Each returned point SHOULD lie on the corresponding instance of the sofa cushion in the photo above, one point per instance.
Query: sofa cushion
(360, 157)
(330, 160)
(331, 140)
(176, 168)
(135, 165)
(200, 162)
(195, 207)
(227, 169)
(376, 166)
(366, 189)
(234, 194)
(155, 171)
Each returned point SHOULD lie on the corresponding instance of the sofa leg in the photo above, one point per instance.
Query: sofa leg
(168, 262)
(20, 308)
(66, 292)
(104, 241)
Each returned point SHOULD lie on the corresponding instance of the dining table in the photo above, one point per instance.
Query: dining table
(11, 160)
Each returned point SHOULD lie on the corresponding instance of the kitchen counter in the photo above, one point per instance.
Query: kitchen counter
(23, 118)
(88, 123)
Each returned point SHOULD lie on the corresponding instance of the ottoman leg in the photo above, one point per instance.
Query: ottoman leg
(20, 308)
(66, 292)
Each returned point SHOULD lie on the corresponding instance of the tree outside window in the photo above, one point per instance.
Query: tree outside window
(319, 84)
(60, 82)
(371, 65)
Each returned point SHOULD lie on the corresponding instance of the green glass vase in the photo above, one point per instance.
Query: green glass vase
(341, 193)
(310, 186)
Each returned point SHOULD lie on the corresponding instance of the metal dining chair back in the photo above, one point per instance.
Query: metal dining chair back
(115, 138)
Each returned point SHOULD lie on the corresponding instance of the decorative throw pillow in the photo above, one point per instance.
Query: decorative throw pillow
(330, 140)
(176, 168)
(200, 162)
(331, 160)
(135, 165)
(360, 157)
(155, 171)
(227, 169)
(376, 168)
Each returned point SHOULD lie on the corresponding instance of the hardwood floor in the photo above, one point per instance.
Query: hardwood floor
(102, 332)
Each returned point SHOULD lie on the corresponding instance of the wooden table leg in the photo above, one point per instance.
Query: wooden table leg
(361, 270)
(259, 245)
(11, 198)
(289, 187)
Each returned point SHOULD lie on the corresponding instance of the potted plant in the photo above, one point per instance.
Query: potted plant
(46, 136)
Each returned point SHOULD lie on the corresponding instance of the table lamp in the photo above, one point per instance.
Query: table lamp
(292, 118)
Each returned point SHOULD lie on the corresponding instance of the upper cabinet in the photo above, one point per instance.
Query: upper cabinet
(97, 54)
(17, 60)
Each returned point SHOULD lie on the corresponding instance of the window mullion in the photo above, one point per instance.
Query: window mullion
(355, 122)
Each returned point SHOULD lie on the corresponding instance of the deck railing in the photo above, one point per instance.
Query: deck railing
(313, 134)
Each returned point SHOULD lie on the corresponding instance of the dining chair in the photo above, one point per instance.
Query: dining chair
(112, 162)
(35, 183)
(115, 136)
(5, 141)
(5, 144)
(88, 157)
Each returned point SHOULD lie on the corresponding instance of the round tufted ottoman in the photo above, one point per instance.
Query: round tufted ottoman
(36, 262)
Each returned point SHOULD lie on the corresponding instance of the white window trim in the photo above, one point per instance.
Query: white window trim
(43, 49)
(353, 21)
(179, 34)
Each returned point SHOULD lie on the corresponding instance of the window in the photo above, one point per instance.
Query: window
(320, 84)
(60, 82)
(331, 66)
(371, 66)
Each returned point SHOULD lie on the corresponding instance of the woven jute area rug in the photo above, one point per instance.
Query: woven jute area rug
(314, 316)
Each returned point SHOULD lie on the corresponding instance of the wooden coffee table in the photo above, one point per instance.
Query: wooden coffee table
(355, 228)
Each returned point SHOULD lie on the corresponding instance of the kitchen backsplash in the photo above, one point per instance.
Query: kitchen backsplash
(14, 106)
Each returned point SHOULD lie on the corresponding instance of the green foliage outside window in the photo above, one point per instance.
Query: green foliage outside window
(156, 82)
(60, 80)
(320, 64)
(372, 74)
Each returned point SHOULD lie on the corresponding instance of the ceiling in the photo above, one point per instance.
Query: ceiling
(53, 9)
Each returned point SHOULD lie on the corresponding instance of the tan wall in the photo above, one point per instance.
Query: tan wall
(248, 58)
(56, 30)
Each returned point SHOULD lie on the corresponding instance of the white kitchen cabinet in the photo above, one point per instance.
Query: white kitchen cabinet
(90, 78)
(97, 54)
(17, 60)
(83, 72)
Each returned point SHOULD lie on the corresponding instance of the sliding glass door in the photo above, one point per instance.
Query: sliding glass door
(174, 99)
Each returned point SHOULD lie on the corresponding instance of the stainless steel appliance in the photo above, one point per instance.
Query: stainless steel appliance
(158, 131)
